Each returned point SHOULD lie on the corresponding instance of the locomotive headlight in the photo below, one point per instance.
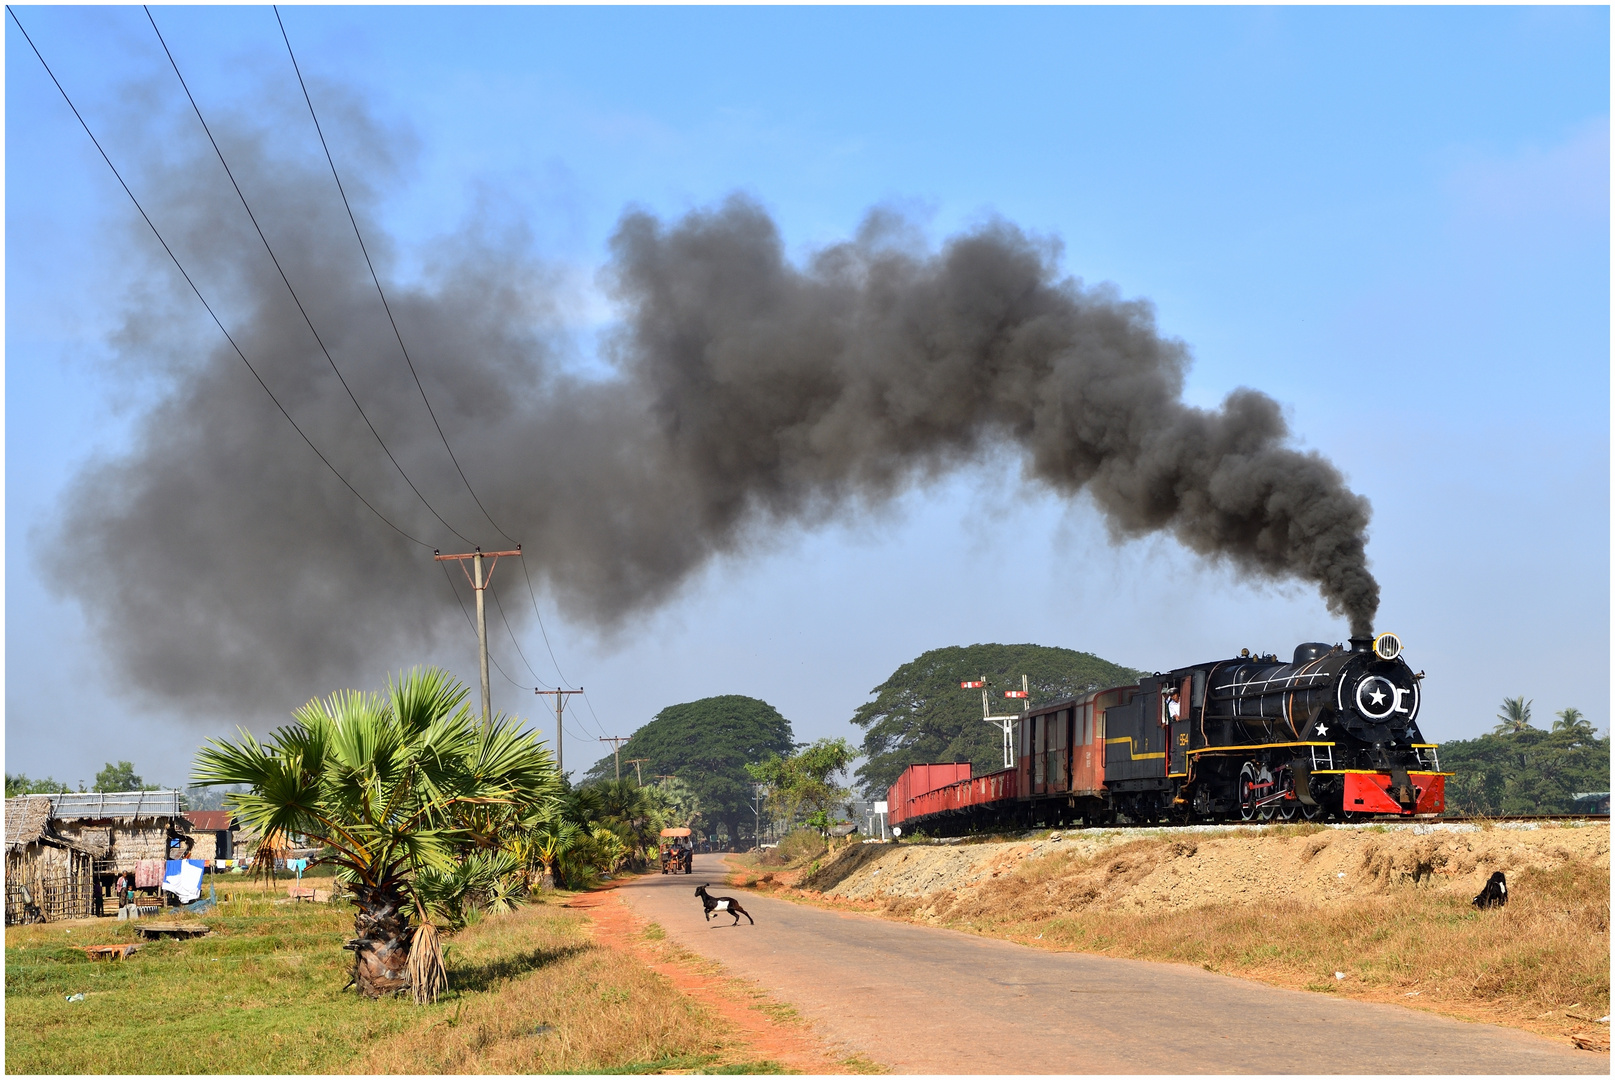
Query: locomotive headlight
(1387, 646)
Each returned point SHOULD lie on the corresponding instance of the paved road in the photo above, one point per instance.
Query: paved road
(924, 1000)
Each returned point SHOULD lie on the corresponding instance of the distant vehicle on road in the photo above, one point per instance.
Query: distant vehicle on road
(677, 851)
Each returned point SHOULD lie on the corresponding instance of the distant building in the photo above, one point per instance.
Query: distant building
(213, 832)
(1591, 802)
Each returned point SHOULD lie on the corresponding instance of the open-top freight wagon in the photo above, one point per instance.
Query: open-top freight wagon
(1332, 733)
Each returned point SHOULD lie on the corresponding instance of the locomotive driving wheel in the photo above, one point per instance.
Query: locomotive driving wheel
(1256, 789)
(1247, 791)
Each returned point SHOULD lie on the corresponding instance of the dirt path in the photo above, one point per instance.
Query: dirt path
(924, 1000)
(767, 1037)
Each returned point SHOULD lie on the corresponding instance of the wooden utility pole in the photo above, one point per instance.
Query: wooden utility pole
(560, 703)
(478, 584)
(616, 742)
(636, 762)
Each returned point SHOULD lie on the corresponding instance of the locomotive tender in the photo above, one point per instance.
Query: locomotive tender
(1333, 733)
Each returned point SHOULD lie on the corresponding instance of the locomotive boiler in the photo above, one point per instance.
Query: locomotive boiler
(1332, 732)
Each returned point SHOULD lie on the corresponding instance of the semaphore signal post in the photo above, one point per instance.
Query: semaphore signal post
(1006, 722)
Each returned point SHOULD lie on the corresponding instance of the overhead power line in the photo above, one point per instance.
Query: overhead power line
(533, 595)
(211, 313)
(178, 265)
(495, 594)
(287, 281)
(375, 278)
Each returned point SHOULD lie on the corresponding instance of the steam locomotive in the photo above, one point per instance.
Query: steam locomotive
(1333, 733)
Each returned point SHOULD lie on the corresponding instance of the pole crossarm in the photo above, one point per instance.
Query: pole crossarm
(616, 742)
(477, 554)
(560, 703)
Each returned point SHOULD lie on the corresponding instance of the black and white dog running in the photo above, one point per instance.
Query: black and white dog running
(713, 904)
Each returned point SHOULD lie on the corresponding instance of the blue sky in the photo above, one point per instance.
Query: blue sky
(1394, 221)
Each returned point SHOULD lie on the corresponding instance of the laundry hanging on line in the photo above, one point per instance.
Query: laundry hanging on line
(184, 879)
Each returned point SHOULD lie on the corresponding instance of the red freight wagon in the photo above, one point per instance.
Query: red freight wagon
(917, 780)
(914, 797)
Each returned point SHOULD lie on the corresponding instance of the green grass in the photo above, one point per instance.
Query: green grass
(261, 993)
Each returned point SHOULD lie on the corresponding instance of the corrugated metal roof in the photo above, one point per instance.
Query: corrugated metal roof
(115, 804)
(209, 820)
(27, 819)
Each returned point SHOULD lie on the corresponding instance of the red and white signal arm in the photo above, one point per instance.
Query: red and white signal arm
(1015, 693)
(976, 684)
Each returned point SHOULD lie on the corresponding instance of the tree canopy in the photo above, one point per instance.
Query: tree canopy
(804, 781)
(921, 714)
(1515, 717)
(119, 777)
(1528, 770)
(708, 744)
(19, 784)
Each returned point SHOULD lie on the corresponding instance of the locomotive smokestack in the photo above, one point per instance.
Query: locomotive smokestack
(747, 394)
(1361, 644)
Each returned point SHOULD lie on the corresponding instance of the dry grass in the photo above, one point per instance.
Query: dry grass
(1528, 965)
(531, 993)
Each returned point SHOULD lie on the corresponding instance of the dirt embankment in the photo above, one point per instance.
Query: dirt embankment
(1124, 871)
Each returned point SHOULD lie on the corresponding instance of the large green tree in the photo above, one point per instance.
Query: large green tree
(708, 744)
(921, 714)
(1515, 717)
(118, 777)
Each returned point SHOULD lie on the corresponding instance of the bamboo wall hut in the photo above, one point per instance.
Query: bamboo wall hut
(48, 876)
(122, 828)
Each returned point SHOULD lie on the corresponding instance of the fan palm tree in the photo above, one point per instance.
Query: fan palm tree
(1515, 717)
(381, 784)
(631, 812)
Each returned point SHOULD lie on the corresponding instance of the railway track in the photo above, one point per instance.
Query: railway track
(1479, 818)
(1208, 826)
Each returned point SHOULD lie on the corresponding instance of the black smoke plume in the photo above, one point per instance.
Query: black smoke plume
(228, 571)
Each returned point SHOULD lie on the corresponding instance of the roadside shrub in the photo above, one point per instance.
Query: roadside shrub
(801, 845)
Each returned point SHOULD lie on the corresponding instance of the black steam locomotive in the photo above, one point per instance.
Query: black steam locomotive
(1332, 733)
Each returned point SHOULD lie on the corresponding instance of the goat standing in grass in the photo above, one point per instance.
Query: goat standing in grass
(711, 904)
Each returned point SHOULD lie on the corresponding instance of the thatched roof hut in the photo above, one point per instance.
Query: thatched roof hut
(27, 820)
(48, 876)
